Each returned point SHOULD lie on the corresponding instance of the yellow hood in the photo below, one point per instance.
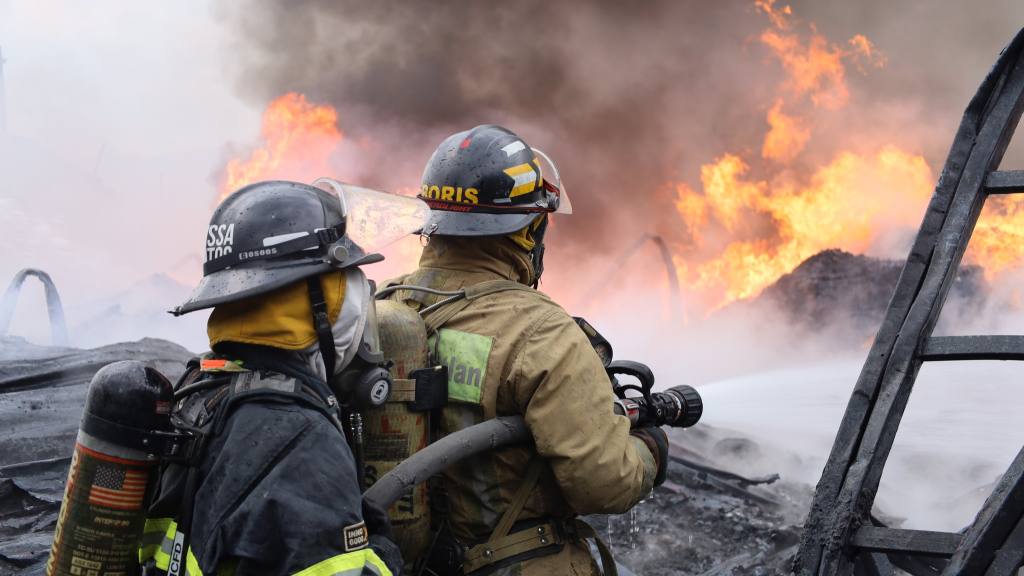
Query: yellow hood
(281, 319)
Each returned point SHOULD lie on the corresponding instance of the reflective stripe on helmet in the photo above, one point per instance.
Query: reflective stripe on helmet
(525, 178)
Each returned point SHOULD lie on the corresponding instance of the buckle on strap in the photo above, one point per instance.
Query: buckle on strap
(520, 542)
(327, 235)
(178, 446)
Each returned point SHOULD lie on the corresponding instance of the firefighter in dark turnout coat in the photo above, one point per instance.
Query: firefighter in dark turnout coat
(271, 485)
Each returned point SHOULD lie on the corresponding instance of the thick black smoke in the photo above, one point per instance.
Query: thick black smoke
(619, 95)
(626, 96)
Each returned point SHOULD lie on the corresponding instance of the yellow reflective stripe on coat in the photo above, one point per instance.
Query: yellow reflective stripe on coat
(153, 534)
(350, 564)
(191, 564)
(163, 555)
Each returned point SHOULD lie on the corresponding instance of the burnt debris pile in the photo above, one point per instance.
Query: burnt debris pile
(836, 290)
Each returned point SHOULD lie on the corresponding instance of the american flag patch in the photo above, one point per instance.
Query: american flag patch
(118, 487)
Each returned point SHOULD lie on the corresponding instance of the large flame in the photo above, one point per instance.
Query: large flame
(748, 226)
(299, 139)
(759, 229)
(754, 220)
(998, 241)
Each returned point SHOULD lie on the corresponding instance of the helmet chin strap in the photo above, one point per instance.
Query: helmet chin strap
(537, 254)
(322, 324)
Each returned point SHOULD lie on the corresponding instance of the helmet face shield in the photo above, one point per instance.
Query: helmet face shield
(376, 219)
(558, 198)
(556, 192)
(270, 234)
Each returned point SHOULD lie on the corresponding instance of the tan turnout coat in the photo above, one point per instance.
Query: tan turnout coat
(517, 352)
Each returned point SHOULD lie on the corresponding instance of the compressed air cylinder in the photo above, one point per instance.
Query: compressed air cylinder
(393, 431)
(104, 508)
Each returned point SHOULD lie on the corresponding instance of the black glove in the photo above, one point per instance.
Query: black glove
(657, 443)
(382, 539)
(377, 521)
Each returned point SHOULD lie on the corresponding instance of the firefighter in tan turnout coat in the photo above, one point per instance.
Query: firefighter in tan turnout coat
(509, 350)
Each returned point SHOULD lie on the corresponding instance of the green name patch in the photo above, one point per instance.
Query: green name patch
(466, 356)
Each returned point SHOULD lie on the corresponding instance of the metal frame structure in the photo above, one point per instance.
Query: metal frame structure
(840, 536)
(9, 301)
(671, 275)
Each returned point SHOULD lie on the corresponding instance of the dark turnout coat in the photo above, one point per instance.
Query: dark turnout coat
(274, 493)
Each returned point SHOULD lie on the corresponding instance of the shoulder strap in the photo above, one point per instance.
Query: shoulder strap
(586, 531)
(440, 316)
(515, 508)
(500, 546)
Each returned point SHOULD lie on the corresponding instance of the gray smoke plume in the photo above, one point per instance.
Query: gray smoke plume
(618, 94)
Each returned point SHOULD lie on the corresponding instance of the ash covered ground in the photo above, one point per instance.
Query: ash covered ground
(722, 510)
(702, 519)
(707, 520)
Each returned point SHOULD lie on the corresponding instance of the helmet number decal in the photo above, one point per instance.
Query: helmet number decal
(219, 240)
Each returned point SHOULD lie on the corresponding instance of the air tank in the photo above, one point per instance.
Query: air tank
(110, 478)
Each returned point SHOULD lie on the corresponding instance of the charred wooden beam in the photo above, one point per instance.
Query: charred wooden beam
(995, 526)
(873, 565)
(900, 372)
(945, 348)
(918, 565)
(1005, 182)
(1010, 556)
(846, 491)
(920, 542)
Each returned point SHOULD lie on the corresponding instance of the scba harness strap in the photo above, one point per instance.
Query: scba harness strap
(539, 540)
(502, 545)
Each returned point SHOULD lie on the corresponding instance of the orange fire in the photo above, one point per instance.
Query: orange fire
(299, 139)
(763, 228)
(998, 236)
(747, 228)
(786, 137)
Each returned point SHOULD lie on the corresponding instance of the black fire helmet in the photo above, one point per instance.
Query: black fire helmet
(268, 235)
(487, 182)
